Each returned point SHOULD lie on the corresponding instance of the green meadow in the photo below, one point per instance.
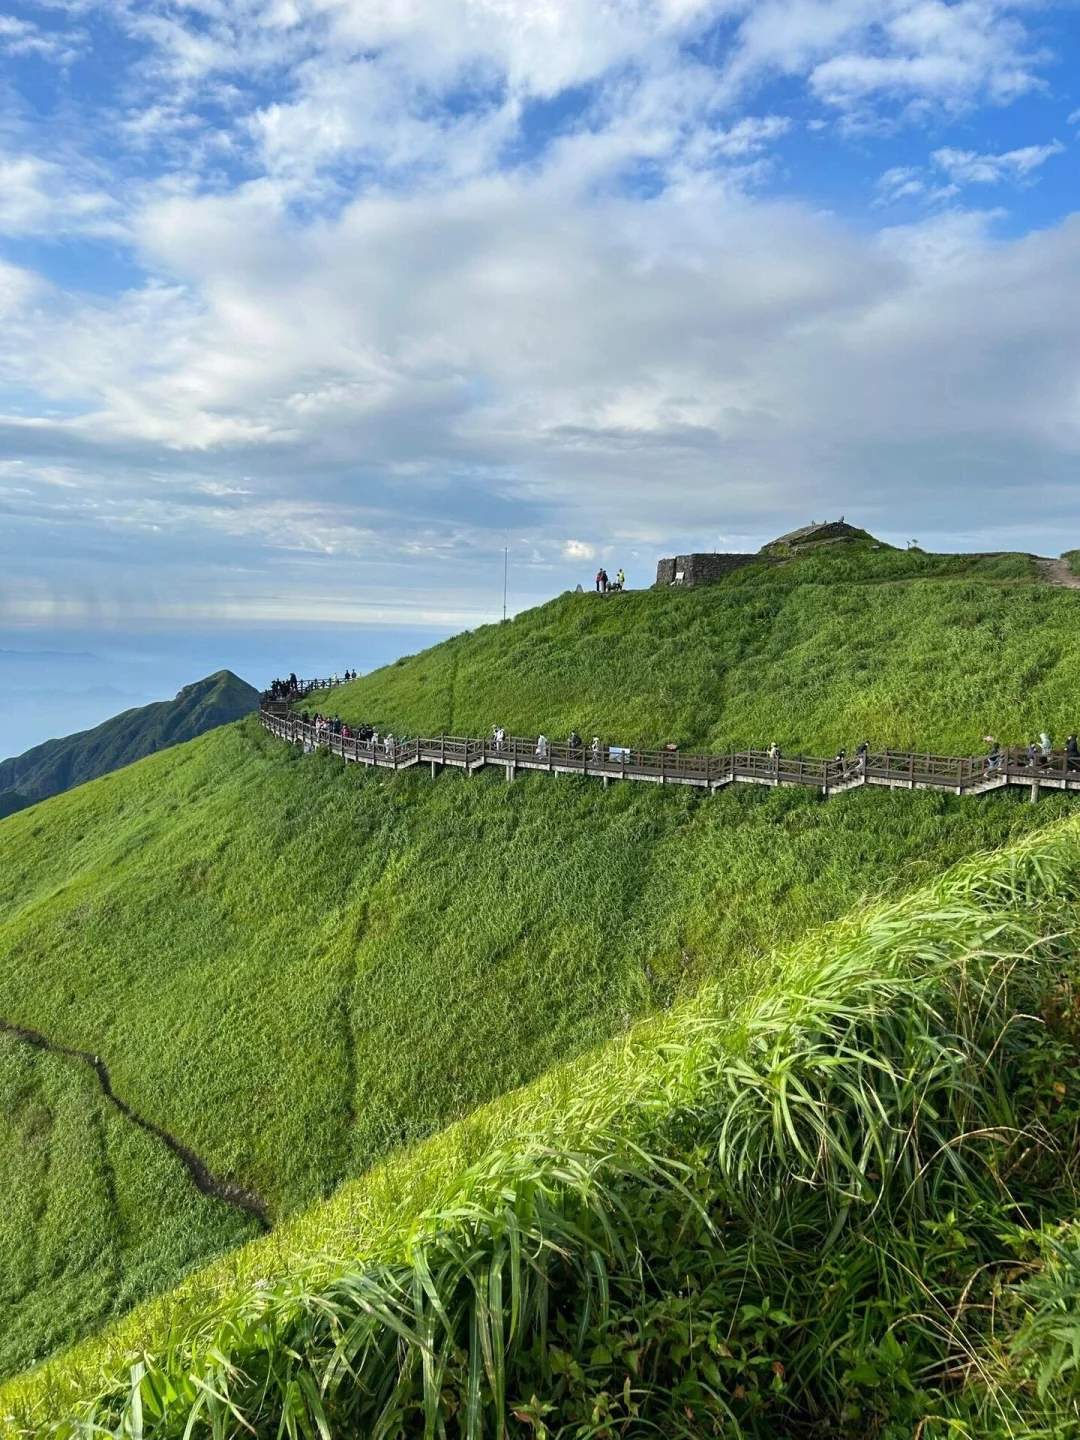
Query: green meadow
(96, 1213)
(301, 970)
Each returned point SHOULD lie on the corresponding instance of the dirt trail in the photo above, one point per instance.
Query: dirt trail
(201, 1176)
(1057, 572)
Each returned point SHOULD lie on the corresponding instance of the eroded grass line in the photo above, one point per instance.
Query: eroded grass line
(201, 1176)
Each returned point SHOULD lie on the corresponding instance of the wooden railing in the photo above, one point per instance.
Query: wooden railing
(901, 769)
(304, 688)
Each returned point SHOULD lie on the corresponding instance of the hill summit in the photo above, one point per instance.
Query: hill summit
(707, 568)
(59, 765)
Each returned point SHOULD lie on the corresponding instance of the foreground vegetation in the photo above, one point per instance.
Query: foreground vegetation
(841, 1207)
(296, 969)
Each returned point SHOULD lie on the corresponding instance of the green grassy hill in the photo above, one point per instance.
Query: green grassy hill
(59, 765)
(788, 654)
(298, 970)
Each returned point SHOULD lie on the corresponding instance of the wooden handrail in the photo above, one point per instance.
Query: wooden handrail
(910, 769)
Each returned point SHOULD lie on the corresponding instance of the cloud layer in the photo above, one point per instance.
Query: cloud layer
(325, 302)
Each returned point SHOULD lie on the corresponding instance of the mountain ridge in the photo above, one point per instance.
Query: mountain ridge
(60, 764)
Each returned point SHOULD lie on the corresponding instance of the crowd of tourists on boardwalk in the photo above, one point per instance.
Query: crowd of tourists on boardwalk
(1040, 755)
(1037, 755)
(326, 726)
(290, 688)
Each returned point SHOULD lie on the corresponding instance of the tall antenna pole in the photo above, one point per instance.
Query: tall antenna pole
(506, 574)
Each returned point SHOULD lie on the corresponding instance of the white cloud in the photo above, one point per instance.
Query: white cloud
(385, 316)
(960, 168)
(750, 135)
(21, 38)
(900, 182)
(17, 288)
(966, 167)
(561, 354)
(40, 197)
(381, 82)
(859, 52)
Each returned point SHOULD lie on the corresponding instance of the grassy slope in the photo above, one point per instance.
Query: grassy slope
(60, 764)
(935, 664)
(96, 1213)
(297, 970)
(674, 1061)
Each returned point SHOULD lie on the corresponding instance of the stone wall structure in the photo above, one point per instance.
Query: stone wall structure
(702, 569)
(706, 569)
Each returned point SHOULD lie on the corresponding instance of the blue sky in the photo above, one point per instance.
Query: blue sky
(310, 307)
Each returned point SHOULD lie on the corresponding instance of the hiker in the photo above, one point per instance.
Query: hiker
(1046, 745)
(1072, 754)
(620, 579)
(575, 740)
(595, 747)
(841, 762)
(541, 747)
(599, 580)
(1033, 755)
(993, 758)
(604, 582)
(388, 745)
(498, 736)
(861, 752)
(774, 752)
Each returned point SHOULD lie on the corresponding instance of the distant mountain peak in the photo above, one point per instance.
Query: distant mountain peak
(58, 765)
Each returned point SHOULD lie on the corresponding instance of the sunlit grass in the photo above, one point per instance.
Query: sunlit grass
(825, 1184)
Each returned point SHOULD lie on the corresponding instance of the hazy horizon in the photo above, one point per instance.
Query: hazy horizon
(58, 682)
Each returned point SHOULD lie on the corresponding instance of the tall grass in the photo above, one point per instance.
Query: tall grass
(94, 1212)
(298, 969)
(779, 1221)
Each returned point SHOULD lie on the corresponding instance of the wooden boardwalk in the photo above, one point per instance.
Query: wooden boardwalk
(893, 769)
